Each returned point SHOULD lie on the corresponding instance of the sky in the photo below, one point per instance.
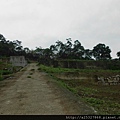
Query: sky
(43, 22)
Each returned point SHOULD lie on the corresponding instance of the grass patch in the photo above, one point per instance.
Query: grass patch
(5, 72)
(94, 101)
(83, 71)
(105, 107)
(67, 86)
(54, 70)
(63, 84)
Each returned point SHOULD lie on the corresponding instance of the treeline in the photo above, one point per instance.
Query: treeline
(74, 55)
(60, 50)
(76, 51)
(14, 48)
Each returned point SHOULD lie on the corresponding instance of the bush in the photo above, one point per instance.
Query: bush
(4, 72)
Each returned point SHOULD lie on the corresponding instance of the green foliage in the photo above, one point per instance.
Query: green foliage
(65, 85)
(83, 64)
(55, 70)
(101, 52)
(94, 101)
(118, 54)
(14, 48)
(104, 99)
(5, 72)
(66, 50)
(87, 90)
(10, 48)
(83, 71)
(104, 107)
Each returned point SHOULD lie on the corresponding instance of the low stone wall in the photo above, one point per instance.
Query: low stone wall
(70, 76)
(113, 80)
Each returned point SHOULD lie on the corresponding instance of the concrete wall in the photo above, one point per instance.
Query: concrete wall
(18, 61)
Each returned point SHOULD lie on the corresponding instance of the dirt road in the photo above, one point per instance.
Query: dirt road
(31, 92)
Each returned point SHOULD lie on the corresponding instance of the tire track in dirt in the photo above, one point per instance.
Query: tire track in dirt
(31, 92)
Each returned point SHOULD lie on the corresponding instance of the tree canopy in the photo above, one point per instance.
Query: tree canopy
(101, 52)
(68, 50)
(75, 50)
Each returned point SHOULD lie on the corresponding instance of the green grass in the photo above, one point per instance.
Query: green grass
(55, 70)
(4, 72)
(66, 86)
(59, 70)
(104, 99)
(104, 107)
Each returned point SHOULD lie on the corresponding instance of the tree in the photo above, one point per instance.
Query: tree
(10, 48)
(68, 48)
(4, 46)
(101, 52)
(88, 54)
(60, 49)
(78, 50)
(118, 54)
(27, 50)
(64, 50)
(53, 50)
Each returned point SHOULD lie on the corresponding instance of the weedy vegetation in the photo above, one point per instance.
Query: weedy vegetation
(104, 98)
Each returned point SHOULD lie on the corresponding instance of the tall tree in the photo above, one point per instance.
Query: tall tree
(88, 54)
(53, 50)
(78, 50)
(4, 46)
(60, 49)
(68, 48)
(118, 54)
(27, 50)
(101, 52)
(2, 38)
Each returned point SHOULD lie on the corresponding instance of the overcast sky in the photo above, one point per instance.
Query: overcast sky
(43, 22)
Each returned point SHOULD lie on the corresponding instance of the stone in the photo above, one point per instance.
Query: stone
(18, 61)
